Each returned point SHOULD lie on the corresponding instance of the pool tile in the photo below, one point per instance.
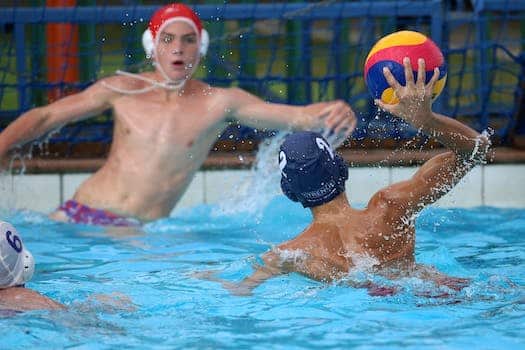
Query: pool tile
(70, 184)
(402, 173)
(39, 192)
(194, 194)
(504, 185)
(220, 184)
(467, 193)
(364, 182)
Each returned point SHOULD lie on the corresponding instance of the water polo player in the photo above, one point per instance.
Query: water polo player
(16, 269)
(380, 237)
(165, 123)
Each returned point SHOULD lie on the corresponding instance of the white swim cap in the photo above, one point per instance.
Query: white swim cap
(16, 263)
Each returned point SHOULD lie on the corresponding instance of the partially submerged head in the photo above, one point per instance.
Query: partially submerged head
(16, 262)
(311, 172)
(176, 40)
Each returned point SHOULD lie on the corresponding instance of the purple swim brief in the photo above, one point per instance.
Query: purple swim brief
(82, 214)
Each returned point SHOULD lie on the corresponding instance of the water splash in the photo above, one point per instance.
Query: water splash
(8, 176)
(262, 183)
(7, 191)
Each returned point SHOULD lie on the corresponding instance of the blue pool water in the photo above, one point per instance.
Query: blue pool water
(153, 301)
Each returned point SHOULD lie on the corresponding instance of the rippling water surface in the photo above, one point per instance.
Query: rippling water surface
(135, 289)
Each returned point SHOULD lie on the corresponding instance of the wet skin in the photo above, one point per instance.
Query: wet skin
(162, 136)
(382, 235)
(24, 299)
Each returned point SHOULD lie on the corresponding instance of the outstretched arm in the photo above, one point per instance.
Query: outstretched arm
(39, 121)
(248, 109)
(25, 299)
(441, 173)
(246, 286)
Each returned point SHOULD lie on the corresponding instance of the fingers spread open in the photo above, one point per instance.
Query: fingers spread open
(390, 79)
(344, 123)
(409, 74)
(434, 78)
(328, 114)
(420, 72)
(340, 116)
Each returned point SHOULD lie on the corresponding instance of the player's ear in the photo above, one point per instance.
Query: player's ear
(205, 42)
(148, 43)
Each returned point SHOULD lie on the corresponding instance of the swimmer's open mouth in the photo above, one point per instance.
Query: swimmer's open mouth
(178, 63)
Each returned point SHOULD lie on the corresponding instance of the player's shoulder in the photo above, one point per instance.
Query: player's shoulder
(23, 299)
(390, 205)
(226, 92)
(228, 97)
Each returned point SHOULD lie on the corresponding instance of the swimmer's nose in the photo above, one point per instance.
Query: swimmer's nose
(176, 47)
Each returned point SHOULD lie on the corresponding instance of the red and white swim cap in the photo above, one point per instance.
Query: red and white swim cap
(168, 14)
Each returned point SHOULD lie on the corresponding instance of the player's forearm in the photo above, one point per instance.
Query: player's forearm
(456, 136)
(27, 127)
(259, 276)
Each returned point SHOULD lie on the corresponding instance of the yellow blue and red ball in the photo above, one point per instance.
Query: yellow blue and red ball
(389, 52)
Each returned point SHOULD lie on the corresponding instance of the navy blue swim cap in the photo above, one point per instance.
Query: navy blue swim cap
(311, 172)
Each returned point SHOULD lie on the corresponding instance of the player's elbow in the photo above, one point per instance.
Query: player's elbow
(479, 152)
(387, 198)
(41, 117)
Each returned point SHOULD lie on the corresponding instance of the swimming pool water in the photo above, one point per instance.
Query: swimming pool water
(150, 298)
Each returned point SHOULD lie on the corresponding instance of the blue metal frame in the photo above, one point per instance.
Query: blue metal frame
(298, 11)
(21, 16)
(497, 5)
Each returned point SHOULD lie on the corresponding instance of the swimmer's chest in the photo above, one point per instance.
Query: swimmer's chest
(160, 118)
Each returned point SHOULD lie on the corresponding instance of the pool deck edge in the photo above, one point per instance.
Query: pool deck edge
(244, 160)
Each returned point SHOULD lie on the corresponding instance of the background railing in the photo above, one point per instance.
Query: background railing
(285, 52)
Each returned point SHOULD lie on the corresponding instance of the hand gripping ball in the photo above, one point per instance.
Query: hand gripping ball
(389, 52)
